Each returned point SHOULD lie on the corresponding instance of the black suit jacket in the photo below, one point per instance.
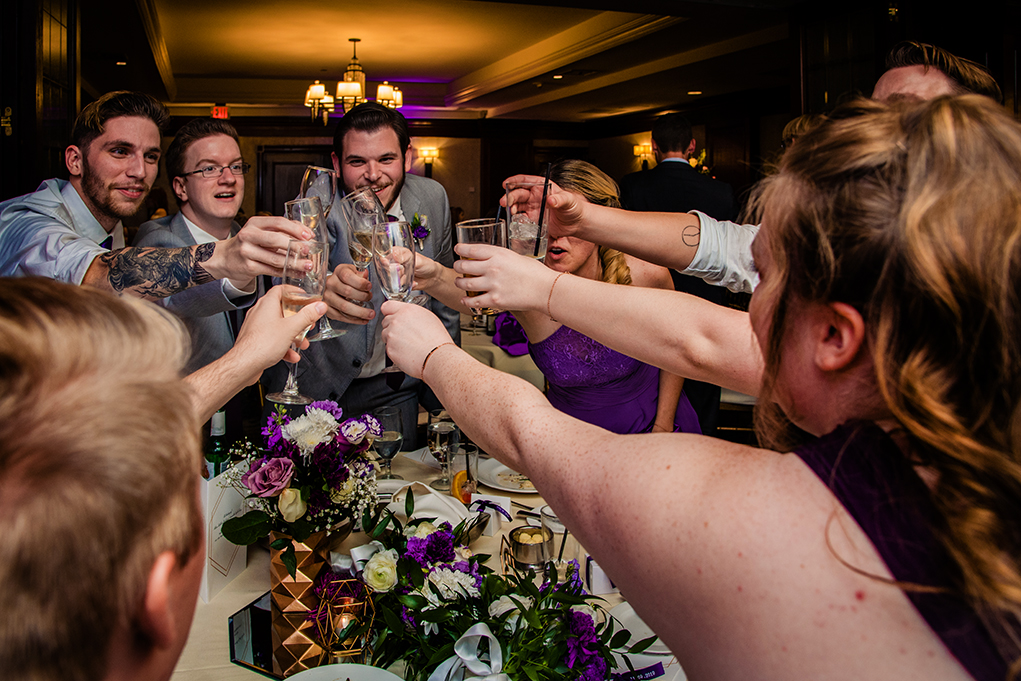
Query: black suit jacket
(676, 187)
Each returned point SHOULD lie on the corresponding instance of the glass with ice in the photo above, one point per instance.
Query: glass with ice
(522, 231)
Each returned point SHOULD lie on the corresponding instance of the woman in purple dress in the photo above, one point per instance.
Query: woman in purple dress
(587, 379)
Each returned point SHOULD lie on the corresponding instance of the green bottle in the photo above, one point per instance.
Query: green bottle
(217, 450)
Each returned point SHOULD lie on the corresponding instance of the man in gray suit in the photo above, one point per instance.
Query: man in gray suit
(371, 149)
(207, 173)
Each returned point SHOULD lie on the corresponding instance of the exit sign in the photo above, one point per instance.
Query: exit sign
(220, 111)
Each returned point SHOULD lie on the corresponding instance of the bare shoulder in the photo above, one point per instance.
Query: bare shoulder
(647, 275)
(737, 539)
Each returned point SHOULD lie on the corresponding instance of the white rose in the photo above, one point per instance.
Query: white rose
(422, 530)
(346, 491)
(380, 573)
(290, 504)
(463, 553)
(503, 605)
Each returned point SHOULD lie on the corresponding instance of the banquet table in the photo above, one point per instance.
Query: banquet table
(206, 655)
(481, 347)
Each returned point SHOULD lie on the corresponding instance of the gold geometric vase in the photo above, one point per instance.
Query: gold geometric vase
(295, 647)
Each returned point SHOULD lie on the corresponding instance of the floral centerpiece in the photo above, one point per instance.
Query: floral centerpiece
(443, 613)
(312, 474)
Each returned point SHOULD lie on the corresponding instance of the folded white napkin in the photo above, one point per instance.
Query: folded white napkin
(428, 504)
(423, 456)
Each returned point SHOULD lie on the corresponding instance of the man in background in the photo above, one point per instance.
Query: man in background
(372, 148)
(674, 186)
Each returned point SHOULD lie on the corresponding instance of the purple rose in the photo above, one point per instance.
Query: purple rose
(420, 232)
(268, 477)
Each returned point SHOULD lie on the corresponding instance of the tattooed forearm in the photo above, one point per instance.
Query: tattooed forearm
(691, 235)
(157, 272)
(202, 253)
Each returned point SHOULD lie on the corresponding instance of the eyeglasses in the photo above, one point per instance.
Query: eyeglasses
(216, 171)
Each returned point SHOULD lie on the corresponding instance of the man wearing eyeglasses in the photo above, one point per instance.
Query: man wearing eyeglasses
(207, 174)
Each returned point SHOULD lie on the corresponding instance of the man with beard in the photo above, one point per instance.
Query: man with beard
(65, 230)
(371, 149)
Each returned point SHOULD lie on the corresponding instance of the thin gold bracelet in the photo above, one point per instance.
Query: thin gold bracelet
(426, 360)
(548, 300)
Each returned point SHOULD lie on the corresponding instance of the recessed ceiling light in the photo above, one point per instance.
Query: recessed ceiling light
(122, 63)
(557, 77)
(694, 92)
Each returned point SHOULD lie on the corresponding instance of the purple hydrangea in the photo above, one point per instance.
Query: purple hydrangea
(268, 477)
(583, 646)
(438, 547)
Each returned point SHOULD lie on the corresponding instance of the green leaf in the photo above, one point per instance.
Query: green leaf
(412, 601)
(247, 529)
(642, 645)
(620, 639)
(289, 560)
(566, 598)
(409, 504)
(301, 529)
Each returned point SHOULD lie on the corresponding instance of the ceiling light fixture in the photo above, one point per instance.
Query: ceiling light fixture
(320, 102)
(351, 90)
(694, 92)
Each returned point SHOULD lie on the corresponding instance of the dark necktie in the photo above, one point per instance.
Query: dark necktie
(107, 243)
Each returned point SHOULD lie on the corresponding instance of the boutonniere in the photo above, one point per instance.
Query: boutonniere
(420, 228)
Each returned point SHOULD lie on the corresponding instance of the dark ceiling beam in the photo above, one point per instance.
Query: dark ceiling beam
(151, 22)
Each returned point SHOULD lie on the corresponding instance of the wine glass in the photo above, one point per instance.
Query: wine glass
(389, 443)
(311, 210)
(301, 288)
(361, 211)
(443, 438)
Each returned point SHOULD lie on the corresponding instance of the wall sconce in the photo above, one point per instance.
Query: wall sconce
(428, 156)
(644, 152)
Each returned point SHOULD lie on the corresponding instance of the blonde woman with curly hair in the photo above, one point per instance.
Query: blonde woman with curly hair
(880, 535)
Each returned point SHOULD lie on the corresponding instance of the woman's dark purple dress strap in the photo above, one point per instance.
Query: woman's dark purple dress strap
(878, 486)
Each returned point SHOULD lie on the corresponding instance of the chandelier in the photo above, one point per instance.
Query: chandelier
(350, 91)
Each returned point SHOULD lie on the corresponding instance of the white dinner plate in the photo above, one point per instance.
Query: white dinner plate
(343, 672)
(389, 486)
(494, 474)
(630, 620)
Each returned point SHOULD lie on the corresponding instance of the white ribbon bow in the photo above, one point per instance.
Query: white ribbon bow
(466, 656)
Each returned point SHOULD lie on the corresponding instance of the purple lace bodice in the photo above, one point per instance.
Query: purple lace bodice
(601, 386)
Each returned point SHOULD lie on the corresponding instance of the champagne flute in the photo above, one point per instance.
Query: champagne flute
(301, 288)
(393, 257)
(321, 182)
(481, 231)
(311, 211)
(443, 438)
(389, 442)
(360, 212)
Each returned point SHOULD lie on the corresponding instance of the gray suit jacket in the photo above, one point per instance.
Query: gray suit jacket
(327, 368)
(203, 309)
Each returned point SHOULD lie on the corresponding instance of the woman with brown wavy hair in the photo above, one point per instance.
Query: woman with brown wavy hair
(888, 545)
